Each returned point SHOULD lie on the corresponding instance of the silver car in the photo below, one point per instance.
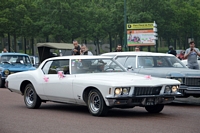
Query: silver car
(161, 65)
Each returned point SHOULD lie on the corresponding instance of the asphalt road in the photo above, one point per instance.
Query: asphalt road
(63, 118)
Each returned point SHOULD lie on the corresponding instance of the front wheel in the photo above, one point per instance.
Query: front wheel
(31, 99)
(155, 108)
(96, 104)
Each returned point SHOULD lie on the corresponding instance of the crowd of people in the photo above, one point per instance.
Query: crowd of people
(80, 49)
(191, 54)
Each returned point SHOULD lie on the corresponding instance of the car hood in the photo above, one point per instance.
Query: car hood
(17, 67)
(173, 72)
(125, 79)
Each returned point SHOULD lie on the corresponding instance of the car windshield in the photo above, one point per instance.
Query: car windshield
(12, 59)
(159, 61)
(80, 66)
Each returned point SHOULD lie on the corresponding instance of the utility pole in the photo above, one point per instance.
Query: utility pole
(125, 27)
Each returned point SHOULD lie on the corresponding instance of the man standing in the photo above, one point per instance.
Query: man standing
(119, 48)
(4, 50)
(76, 50)
(172, 51)
(84, 50)
(191, 55)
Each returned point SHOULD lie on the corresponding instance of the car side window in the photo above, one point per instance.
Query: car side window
(46, 67)
(121, 59)
(52, 67)
(131, 61)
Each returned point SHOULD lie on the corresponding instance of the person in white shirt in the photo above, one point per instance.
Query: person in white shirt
(84, 50)
(4, 50)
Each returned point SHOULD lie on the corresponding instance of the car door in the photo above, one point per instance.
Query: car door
(58, 88)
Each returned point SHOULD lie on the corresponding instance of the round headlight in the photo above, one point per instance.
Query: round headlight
(125, 91)
(167, 89)
(174, 88)
(7, 72)
(118, 91)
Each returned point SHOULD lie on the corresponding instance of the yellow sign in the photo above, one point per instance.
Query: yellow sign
(140, 26)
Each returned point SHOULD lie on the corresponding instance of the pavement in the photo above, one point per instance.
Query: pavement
(65, 118)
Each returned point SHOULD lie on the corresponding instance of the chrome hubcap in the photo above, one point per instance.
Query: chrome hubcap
(29, 96)
(95, 102)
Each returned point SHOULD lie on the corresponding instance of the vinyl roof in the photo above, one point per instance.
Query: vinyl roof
(56, 45)
(81, 57)
(137, 53)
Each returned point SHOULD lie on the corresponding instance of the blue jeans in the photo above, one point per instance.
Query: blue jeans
(193, 66)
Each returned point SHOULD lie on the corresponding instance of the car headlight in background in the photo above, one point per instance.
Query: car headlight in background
(6, 72)
(122, 91)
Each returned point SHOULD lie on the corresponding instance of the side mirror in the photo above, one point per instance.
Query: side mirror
(129, 68)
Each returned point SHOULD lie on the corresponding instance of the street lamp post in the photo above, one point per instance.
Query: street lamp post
(125, 27)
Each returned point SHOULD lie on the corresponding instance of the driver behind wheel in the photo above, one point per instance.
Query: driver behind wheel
(100, 66)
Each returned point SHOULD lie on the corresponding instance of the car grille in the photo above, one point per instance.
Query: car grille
(138, 100)
(192, 81)
(147, 91)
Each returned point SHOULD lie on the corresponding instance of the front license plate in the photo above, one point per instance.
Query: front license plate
(150, 101)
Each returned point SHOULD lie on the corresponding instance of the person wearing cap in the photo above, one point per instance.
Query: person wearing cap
(191, 55)
(172, 51)
(76, 50)
(100, 66)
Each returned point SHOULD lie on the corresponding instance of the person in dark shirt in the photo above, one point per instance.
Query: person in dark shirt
(119, 48)
(76, 50)
(172, 51)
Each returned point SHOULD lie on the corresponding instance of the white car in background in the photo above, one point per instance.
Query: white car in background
(185, 62)
(97, 82)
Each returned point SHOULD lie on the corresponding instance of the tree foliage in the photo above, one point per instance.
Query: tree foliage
(66, 20)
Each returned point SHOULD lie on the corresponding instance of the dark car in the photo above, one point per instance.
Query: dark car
(161, 65)
(12, 63)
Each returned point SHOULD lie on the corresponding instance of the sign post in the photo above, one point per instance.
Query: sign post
(125, 29)
(155, 36)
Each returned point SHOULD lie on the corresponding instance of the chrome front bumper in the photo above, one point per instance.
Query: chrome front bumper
(143, 100)
(185, 90)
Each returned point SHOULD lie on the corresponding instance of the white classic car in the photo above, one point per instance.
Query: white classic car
(91, 81)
